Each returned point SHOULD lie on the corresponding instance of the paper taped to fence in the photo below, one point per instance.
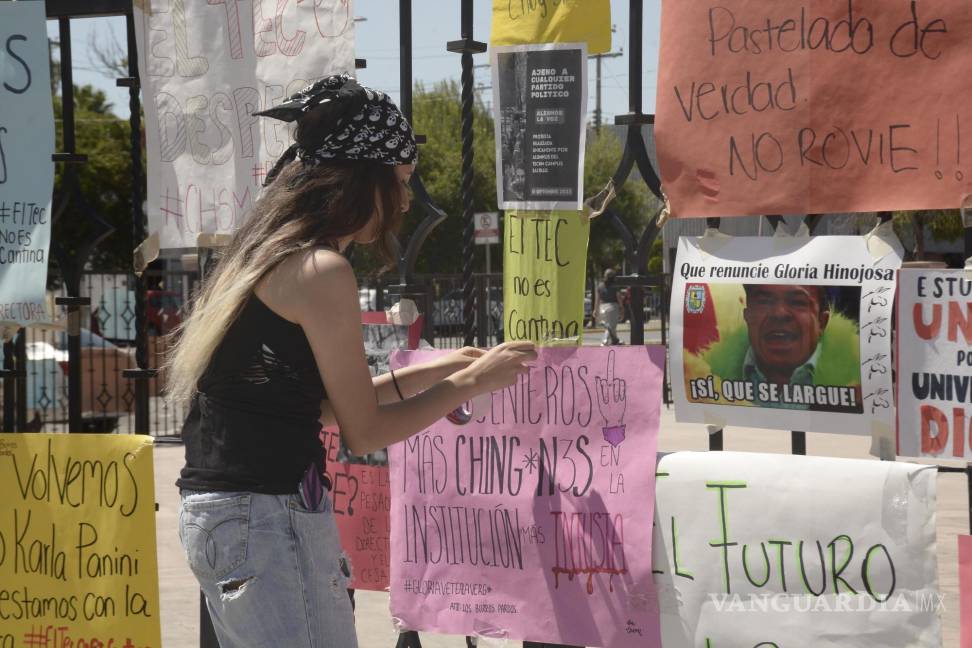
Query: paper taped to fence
(521, 22)
(544, 268)
(793, 334)
(540, 110)
(26, 168)
(359, 485)
(361, 503)
(77, 541)
(529, 517)
(205, 68)
(934, 363)
(799, 107)
(778, 551)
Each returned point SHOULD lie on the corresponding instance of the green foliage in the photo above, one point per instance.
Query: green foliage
(634, 203)
(437, 115)
(105, 180)
(943, 224)
(655, 261)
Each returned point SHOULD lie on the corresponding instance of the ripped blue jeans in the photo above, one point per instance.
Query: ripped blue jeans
(272, 571)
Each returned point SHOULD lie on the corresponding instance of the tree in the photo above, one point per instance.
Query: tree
(942, 224)
(437, 115)
(634, 203)
(105, 180)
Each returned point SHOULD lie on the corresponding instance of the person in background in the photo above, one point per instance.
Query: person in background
(273, 348)
(609, 308)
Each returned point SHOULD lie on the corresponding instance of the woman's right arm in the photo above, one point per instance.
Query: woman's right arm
(328, 311)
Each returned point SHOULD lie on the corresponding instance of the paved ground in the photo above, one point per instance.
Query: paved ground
(180, 602)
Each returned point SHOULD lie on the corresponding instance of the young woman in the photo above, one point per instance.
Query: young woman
(273, 347)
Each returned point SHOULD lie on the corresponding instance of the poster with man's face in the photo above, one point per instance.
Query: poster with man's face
(790, 334)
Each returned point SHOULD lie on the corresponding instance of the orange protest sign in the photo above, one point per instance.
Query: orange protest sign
(814, 107)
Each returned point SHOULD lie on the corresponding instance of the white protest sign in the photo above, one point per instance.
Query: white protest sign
(780, 551)
(26, 169)
(784, 333)
(935, 363)
(206, 67)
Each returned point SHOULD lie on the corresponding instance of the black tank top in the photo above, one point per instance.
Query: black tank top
(253, 425)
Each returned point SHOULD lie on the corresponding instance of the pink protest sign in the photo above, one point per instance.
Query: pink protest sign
(965, 590)
(361, 501)
(528, 514)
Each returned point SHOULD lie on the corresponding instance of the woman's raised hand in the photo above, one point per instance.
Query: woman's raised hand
(500, 366)
(460, 358)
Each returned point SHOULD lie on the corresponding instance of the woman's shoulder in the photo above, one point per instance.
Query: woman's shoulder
(310, 274)
(309, 265)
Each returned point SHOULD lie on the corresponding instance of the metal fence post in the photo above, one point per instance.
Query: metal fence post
(21, 379)
(207, 634)
(482, 311)
(74, 305)
(141, 374)
(9, 375)
(467, 46)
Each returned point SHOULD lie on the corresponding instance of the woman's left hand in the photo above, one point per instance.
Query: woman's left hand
(459, 359)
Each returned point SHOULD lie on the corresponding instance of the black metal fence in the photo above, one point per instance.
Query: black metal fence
(108, 337)
(99, 371)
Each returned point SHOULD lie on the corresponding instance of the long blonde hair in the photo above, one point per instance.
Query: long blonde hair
(304, 207)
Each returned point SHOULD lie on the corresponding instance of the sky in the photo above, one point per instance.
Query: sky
(434, 22)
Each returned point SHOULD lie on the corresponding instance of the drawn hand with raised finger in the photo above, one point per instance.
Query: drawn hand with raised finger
(610, 393)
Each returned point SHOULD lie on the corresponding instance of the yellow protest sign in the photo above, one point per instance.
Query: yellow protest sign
(544, 263)
(521, 22)
(78, 560)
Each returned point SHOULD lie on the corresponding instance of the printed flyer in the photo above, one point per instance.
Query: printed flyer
(540, 109)
(784, 333)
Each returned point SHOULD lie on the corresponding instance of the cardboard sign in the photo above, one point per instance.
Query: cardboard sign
(205, 68)
(799, 107)
(544, 268)
(540, 104)
(362, 504)
(934, 363)
(786, 333)
(779, 551)
(359, 485)
(77, 541)
(521, 22)
(26, 168)
(527, 517)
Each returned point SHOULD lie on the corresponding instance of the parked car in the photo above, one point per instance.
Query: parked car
(104, 392)
(163, 311)
(448, 317)
(367, 299)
